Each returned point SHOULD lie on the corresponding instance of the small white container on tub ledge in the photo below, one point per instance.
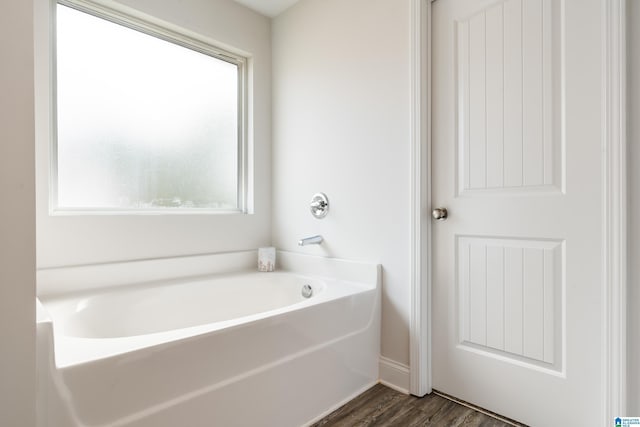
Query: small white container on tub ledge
(267, 259)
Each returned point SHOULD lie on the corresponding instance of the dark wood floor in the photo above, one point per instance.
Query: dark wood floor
(382, 406)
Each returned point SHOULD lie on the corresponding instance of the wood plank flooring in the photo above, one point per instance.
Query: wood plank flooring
(382, 406)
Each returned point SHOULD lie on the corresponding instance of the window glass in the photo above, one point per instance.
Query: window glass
(142, 123)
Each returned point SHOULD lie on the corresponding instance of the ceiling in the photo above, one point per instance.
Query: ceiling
(269, 8)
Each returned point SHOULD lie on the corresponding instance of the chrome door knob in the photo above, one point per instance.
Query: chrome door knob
(439, 214)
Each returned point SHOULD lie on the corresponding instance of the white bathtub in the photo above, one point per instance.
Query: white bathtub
(219, 349)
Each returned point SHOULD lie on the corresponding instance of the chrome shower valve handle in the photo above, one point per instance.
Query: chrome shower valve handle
(319, 205)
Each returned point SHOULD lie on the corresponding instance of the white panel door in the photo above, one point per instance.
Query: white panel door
(516, 161)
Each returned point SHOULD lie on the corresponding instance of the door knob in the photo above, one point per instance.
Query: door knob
(440, 214)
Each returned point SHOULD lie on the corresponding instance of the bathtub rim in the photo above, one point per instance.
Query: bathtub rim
(63, 280)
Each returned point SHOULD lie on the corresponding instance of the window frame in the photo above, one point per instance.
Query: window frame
(178, 38)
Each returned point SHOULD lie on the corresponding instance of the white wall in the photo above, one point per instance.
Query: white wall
(634, 214)
(341, 125)
(17, 217)
(69, 240)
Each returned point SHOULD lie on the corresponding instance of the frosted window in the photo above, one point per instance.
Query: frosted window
(142, 123)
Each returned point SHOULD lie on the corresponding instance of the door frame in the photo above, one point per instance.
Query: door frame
(614, 197)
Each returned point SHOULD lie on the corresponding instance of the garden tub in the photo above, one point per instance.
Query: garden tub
(223, 348)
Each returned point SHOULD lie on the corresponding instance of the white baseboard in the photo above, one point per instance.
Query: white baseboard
(394, 375)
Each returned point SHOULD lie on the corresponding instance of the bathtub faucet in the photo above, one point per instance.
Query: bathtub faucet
(313, 240)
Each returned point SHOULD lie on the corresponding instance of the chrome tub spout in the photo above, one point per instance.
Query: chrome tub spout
(313, 240)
